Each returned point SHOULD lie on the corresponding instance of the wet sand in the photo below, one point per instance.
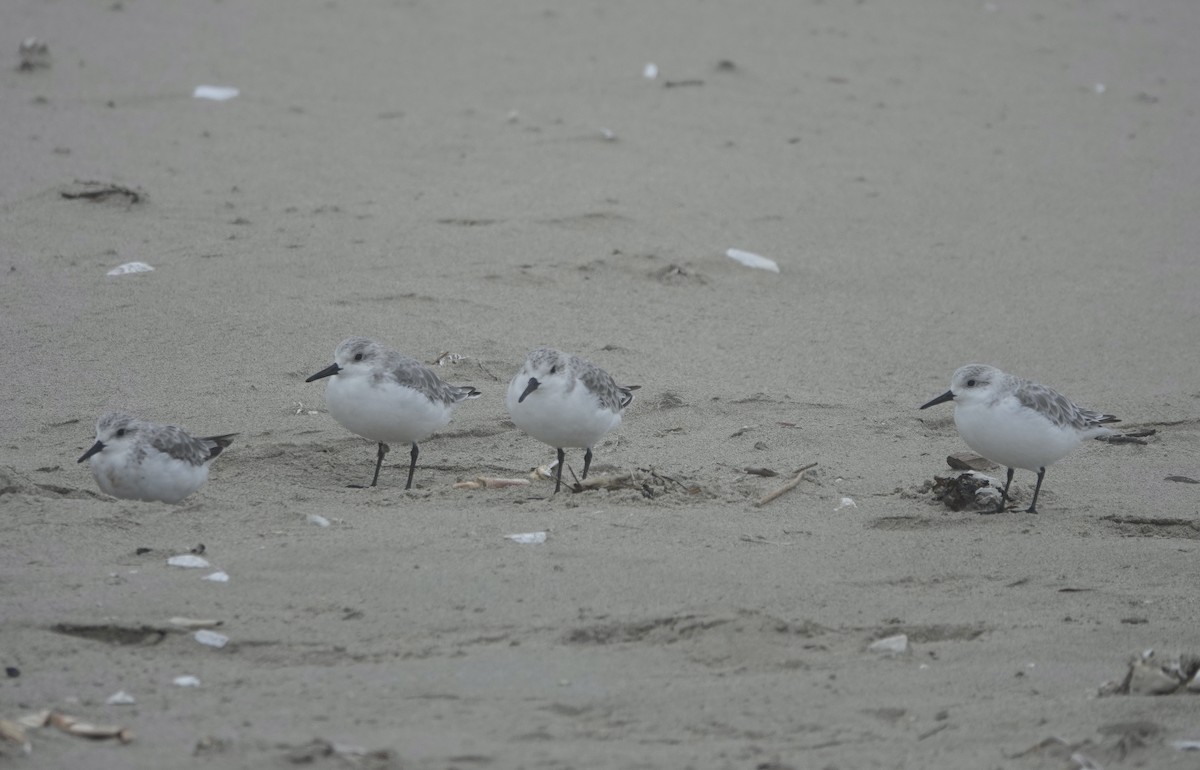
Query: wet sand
(1009, 183)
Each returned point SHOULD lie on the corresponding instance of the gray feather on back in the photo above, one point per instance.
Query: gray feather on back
(175, 442)
(1058, 408)
(611, 395)
(408, 371)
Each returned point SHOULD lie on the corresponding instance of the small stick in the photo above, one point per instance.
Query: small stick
(786, 487)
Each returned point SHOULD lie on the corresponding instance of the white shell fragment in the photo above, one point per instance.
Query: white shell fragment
(192, 623)
(216, 93)
(220, 576)
(528, 538)
(186, 681)
(846, 502)
(650, 71)
(1186, 745)
(750, 259)
(120, 698)
(544, 471)
(892, 645)
(318, 519)
(211, 638)
(130, 267)
(188, 561)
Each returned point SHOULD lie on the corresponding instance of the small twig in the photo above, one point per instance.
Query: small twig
(934, 731)
(786, 487)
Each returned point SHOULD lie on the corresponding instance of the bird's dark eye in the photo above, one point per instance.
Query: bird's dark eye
(970, 383)
(120, 432)
(358, 356)
(553, 369)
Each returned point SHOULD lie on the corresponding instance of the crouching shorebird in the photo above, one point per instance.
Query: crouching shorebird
(386, 397)
(138, 460)
(565, 401)
(1018, 423)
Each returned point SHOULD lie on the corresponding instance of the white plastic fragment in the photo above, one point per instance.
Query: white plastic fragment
(847, 502)
(528, 538)
(1186, 745)
(211, 638)
(891, 645)
(216, 93)
(120, 698)
(608, 134)
(650, 71)
(186, 680)
(750, 259)
(130, 267)
(220, 576)
(318, 519)
(188, 561)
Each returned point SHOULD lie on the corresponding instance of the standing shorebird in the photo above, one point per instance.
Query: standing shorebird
(1018, 423)
(566, 401)
(386, 396)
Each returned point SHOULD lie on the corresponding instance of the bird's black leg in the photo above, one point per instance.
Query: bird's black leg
(412, 465)
(562, 456)
(383, 450)
(1033, 506)
(587, 461)
(1004, 494)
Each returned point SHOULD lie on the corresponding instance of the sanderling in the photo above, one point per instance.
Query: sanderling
(386, 396)
(1018, 423)
(140, 460)
(565, 401)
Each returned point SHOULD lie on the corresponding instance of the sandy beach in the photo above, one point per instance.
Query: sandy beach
(1011, 182)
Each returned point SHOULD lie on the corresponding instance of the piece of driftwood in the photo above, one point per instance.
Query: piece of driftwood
(786, 487)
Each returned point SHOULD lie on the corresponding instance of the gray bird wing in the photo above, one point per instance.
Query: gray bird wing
(1058, 408)
(411, 373)
(177, 443)
(612, 396)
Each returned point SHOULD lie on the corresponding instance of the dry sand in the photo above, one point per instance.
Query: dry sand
(940, 182)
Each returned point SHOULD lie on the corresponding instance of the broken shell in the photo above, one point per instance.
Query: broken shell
(211, 638)
(1146, 678)
(750, 259)
(891, 645)
(193, 623)
(969, 461)
(188, 561)
(544, 471)
(528, 538)
(130, 267)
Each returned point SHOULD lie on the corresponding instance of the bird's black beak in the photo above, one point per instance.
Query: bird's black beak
(95, 448)
(532, 386)
(947, 396)
(328, 371)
